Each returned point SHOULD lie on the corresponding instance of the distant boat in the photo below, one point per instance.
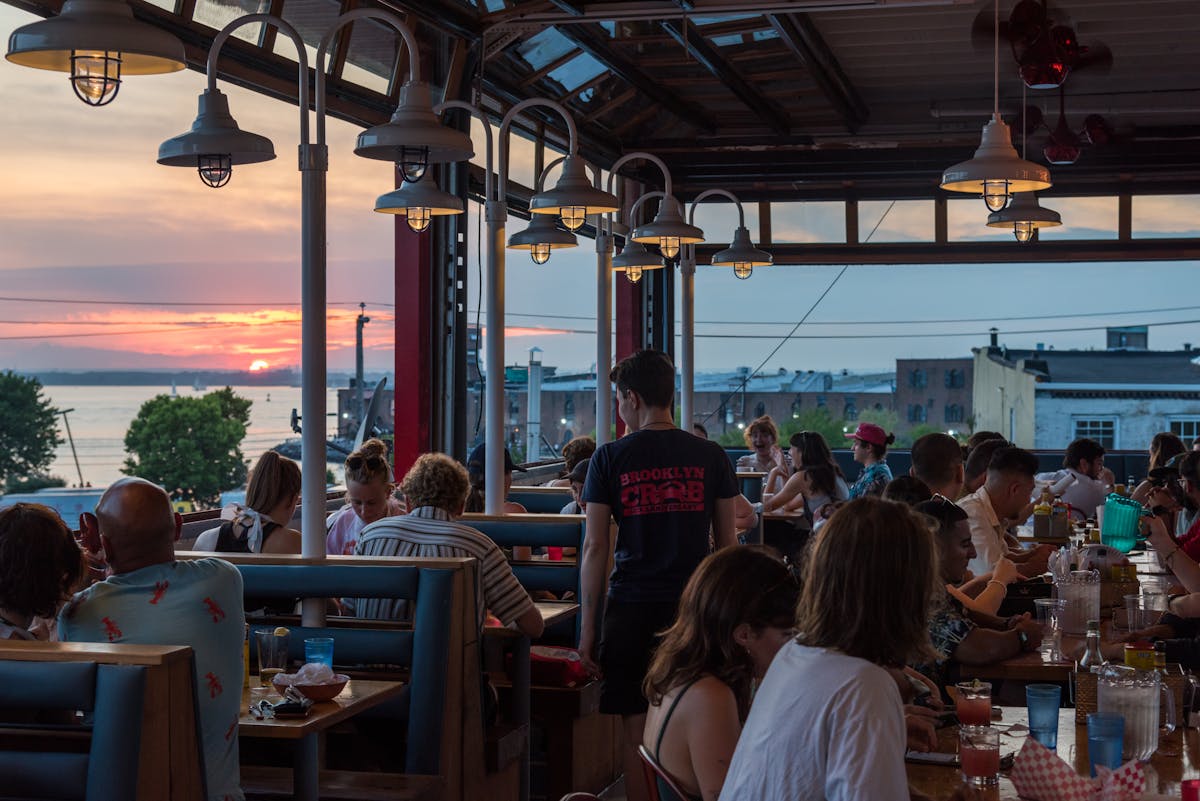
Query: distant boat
(174, 391)
(198, 386)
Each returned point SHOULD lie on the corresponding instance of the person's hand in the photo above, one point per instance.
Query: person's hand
(919, 731)
(587, 654)
(1161, 631)
(1005, 571)
(966, 792)
(934, 699)
(1106, 477)
(1161, 496)
(777, 457)
(1156, 532)
(1032, 629)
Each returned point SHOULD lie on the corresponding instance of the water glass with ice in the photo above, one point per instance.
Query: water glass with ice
(1043, 701)
(1105, 738)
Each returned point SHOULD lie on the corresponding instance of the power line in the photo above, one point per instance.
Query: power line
(218, 303)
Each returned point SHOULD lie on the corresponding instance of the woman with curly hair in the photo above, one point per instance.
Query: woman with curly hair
(737, 610)
(40, 564)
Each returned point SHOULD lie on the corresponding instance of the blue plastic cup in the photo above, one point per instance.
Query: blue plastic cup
(1106, 736)
(1043, 701)
(319, 650)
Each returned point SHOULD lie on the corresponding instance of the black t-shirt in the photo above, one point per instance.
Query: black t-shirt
(662, 486)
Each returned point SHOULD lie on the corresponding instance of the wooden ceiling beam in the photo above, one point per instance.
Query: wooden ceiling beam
(688, 35)
(800, 35)
(593, 39)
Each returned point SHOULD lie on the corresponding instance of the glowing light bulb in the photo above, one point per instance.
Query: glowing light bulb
(669, 245)
(413, 162)
(634, 274)
(215, 169)
(572, 216)
(95, 76)
(418, 217)
(995, 194)
(540, 252)
(742, 269)
(1023, 231)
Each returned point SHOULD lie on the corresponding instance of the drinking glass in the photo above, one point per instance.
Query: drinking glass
(974, 707)
(979, 753)
(1133, 611)
(1049, 615)
(1105, 740)
(319, 650)
(1081, 593)
(1043, 701)
(272, 655)
(1189, 790)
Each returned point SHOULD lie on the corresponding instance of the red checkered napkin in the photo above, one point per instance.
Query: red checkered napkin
(1040, 775)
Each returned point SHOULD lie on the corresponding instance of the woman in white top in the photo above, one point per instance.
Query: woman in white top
(827, 722)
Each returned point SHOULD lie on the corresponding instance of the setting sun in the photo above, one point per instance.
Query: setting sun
(258, 364)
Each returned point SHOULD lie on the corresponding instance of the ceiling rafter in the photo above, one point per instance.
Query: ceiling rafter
(594, 40)
(801, 37)
(688, 35)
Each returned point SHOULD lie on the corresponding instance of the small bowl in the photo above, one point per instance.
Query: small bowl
(318, 692)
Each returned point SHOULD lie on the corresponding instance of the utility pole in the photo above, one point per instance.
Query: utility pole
(363, 319)
(71, 440)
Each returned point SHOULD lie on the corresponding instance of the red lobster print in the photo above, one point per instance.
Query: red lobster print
(214, 685)
(110, 629)
(218, 614)
(160, 587)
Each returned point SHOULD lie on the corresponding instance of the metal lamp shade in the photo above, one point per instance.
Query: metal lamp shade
(1024, 216)
(996, 161)
(742, 251)
(414, 126)
(668, 223)
(423, 194)
(542, 231)
(635, 256)
(573, 191)
(96, 26)
(215, 132)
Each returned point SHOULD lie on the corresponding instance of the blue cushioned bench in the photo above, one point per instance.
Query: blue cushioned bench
(541, 500)
(138, 740)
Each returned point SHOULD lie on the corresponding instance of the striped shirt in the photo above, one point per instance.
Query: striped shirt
(430, 532)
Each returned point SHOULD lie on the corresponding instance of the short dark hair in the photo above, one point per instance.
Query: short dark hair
(935, 458)
(944, 511)
(39, 560)
(907, 490)
(980, 456)
(1189, 466)
(1163, 447)
(700, 429)
(980, 437)
(650, 374)
(1087, 449)
(1013, 460)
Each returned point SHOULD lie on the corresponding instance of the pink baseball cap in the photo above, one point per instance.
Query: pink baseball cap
(869, 432)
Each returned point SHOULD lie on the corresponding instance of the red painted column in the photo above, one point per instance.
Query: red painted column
(414, 374)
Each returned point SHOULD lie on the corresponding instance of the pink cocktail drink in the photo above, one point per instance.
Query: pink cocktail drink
(980, 765)
(975, 711)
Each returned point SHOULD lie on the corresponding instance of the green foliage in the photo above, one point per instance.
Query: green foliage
(34, 483)
(916, 433)
(189, 445)
(886, 419)
(28, 428)
(818, 419)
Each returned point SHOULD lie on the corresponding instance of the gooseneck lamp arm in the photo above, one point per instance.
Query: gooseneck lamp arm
(707, 193)
(477, 113)
(506, 123)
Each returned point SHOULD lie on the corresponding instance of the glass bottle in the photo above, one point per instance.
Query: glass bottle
(1092, 660)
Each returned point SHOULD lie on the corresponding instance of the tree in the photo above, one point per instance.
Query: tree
(191, 446)
(818, 419)
(28, 428)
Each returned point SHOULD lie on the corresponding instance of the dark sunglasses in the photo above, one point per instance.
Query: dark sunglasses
(355, 462)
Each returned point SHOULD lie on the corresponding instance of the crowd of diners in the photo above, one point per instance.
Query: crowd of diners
(744, 676)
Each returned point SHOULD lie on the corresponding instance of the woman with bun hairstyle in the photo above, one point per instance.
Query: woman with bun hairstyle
(870, 449)
(369, 489)
(260, 525)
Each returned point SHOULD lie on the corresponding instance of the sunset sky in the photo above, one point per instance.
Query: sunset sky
(87, 215)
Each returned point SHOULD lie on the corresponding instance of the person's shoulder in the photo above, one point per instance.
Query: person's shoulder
(210, 567)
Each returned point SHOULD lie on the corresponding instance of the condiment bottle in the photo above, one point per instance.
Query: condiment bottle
(1092, 660)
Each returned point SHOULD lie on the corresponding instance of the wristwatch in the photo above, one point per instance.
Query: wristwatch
(1023, 638)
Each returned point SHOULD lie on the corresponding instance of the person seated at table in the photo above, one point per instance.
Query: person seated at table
(699, 430)
(976, 465)
(762, 438)
(827, 721)
(937, 461)
(963, 636)
(40, 565)
(260, 525)
(577, 478)
(906, 490)
(152, 599)
(870, 444)
(1002, 500)
(574, 452)
(815, 480)
(1164, 447)
(476, 470)
(369, 489)
(436, 489)
(737, 610)
(980, 437)
(1090, 481)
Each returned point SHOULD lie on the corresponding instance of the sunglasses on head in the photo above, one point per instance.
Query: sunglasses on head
(942, 499)
(357, 462)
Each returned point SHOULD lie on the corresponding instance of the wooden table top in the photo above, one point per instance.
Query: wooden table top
(1178, 757)
(551, 611)
(359, 695)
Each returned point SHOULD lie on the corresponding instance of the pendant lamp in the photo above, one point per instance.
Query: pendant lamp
(541, 237)
(1024, 216)
(635, 260)
(741, 255)
(419, 202)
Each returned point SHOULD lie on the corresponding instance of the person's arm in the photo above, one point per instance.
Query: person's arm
(530, 623)
(593, 578)
(724, 531)
(712, 740)
(985, 593)
(986, 646)
(1171, 556)
(791, 489)
(744, 516)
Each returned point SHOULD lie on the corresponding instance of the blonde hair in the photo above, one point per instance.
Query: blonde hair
(436, 480)
(869, 582)
(273, 480)
(369, 463)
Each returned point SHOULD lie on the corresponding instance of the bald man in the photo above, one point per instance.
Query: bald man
(151, 599)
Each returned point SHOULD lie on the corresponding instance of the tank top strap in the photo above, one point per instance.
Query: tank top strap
(662, 730)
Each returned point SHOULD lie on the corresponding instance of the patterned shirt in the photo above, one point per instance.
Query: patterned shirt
(948, 626)
(195, 603)
(431, 532)
(872, 481)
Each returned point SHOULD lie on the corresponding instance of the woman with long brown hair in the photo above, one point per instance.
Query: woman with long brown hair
(736, 611)
(260, 525)
(828, 721)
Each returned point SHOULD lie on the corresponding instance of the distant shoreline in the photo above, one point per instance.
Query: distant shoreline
(184, 379)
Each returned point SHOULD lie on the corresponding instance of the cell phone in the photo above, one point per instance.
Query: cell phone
(931, 758)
